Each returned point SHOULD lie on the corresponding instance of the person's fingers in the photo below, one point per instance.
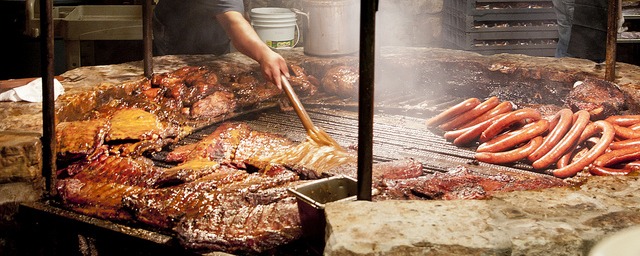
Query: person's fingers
(276, 78)
(284, 68)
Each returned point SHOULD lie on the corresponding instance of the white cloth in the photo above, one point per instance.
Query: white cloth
(31, 92)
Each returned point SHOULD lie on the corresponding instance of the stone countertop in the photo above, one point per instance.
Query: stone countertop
(558, 221)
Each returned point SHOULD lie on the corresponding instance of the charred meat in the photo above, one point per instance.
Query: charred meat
(600, 98)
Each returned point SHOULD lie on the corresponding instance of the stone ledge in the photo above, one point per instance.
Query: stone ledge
(560, 221)
(20, 156)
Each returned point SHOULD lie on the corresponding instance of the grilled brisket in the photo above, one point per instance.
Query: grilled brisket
(461, 183)
(104, 168)
(601, 98)
(228, 210)
(97, 199)
(342, 81)
(220, 144)
(81, 138)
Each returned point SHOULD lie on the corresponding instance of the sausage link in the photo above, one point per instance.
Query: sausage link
(567, 158)
(632, 166)
(564, 118)
(467, 116)
(574, 167)
(623, 120)
(510, 156)
(504, 107)
(625, 132)
(625, 143)
(452, 112)
(606, 171)
(618, 156)
(566, 143)
(467, 135)
(511, 139)
(505, 121)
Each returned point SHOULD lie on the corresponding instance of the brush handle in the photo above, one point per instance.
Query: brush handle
(297, 105)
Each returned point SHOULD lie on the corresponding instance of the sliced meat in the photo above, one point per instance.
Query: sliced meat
(218, 104)
(98, 199)
(80, 138)
(221, 144)
(259, 148)
(186, 172)
(129, 171)
(462, 183)
(134, 124)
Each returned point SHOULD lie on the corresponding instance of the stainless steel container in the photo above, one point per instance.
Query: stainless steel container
(331, 27)
(312, 198)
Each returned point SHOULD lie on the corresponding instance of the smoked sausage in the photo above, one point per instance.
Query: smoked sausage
(467, 116)
(574, 167)
(511, 155)
(452, 112)
(504, 107)
(510, 118)
(564, 118)
(566, 143)
(514, 138)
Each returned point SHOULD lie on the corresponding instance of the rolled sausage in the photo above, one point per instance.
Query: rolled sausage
(606, 171)
(510, 118)
(626, 132)
(625, 144)
(623, 120)
(566, 143)
(618, 156)
(470, 134)
(452, 112)
(510, 156)
(574, 167)
(468, 116)
(513, 138)
(504, 107)
(564, 118)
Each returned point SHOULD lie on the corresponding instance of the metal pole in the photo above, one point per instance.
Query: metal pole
(48, 102)
(612, 40)
(365, 106)
(147, 37)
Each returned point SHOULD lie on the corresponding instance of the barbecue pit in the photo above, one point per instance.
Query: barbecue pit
(397, 112)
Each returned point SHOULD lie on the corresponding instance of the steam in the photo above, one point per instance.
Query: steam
(405, 24)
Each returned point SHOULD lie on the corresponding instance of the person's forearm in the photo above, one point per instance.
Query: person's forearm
(242, 35)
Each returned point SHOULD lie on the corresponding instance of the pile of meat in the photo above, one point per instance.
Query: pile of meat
(226, 192)
(562, 143)
(223, 196)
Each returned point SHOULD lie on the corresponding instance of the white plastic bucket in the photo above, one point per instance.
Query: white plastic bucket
(277, 27)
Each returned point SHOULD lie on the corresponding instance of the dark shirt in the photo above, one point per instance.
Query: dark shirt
(190, 26)
(589, 30)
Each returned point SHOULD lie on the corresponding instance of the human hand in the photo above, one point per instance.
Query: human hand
(273, 66)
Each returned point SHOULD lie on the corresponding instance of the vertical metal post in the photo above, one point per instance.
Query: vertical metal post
(48, 102)
(612, 40)
(368, 10)
(147, 37)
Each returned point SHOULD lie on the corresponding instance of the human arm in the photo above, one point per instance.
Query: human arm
(245, 40)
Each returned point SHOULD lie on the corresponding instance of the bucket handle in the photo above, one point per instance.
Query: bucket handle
(297, 11)
(297, 36)
(306, 15)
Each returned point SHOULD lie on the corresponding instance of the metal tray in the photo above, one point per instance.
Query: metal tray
(312, 198)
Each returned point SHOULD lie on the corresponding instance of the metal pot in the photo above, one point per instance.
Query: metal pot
(332, 27)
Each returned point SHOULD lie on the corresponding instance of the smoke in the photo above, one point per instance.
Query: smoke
(400, 25)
